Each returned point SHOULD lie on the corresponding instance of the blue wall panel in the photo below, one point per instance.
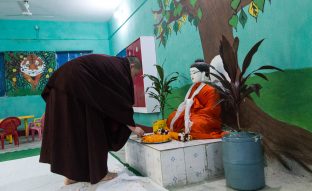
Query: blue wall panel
(63, 57)
(122, 53)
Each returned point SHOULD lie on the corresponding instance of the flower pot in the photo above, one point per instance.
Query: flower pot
(159, 124)
(243, 161)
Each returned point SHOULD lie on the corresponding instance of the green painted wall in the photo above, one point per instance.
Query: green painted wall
(285, 25)
(52, 36)
(284, 99)
(180, 52)
(22, 105)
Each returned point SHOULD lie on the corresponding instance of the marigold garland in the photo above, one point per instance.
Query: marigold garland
(155, 138)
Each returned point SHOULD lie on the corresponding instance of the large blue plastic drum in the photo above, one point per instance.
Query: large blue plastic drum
(243, 161)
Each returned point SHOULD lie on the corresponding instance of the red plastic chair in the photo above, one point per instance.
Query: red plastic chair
(9, 126)
(37, 125)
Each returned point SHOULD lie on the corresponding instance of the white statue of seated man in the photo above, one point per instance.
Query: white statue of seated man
(199, 114)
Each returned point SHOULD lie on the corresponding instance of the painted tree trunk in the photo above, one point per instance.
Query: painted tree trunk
(213, 25)
(280, 139)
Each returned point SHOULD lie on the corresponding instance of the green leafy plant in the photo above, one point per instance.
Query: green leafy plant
(235, 90)
(161, 88)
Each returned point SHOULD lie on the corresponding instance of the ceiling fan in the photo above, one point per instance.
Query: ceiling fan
(24, 6)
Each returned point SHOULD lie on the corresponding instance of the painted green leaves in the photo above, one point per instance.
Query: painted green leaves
(259, 4)
(240, 16)
(177, 11)
(243, 18)
(256, 6)
(199, 13)
(176, 27)
(233, 21)
(195, 19)
(193, 3)
(235, 4)
(173, 14)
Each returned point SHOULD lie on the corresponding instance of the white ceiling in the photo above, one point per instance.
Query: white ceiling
(59, 10)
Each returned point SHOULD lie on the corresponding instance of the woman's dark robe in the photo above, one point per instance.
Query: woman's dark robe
(88, 105)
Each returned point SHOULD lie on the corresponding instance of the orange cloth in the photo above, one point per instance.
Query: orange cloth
(205, 114)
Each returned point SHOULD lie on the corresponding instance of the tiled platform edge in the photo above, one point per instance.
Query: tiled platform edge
(176, 163)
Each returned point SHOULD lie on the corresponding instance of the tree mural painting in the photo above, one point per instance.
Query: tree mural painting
(214, 18)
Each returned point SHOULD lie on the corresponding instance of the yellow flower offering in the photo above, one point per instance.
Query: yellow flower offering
(156, 138)
(159, 124)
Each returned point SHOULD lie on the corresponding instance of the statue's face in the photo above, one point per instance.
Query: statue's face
(196, 75)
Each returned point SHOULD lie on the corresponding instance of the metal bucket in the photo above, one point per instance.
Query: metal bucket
(243, 161)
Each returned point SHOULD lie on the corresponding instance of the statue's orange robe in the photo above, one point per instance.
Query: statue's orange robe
(205, 114)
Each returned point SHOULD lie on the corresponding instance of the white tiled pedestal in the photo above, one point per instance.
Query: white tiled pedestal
(176, 163)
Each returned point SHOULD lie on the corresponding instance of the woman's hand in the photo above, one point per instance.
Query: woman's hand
(137, 130)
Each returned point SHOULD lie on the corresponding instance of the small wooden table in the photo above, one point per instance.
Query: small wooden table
(25, 119)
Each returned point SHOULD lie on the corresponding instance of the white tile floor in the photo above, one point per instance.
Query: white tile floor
(275, 181)
(29, 175)
(23, 145)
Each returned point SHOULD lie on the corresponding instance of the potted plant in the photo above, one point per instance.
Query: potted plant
(242, 150)
(160, 90)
